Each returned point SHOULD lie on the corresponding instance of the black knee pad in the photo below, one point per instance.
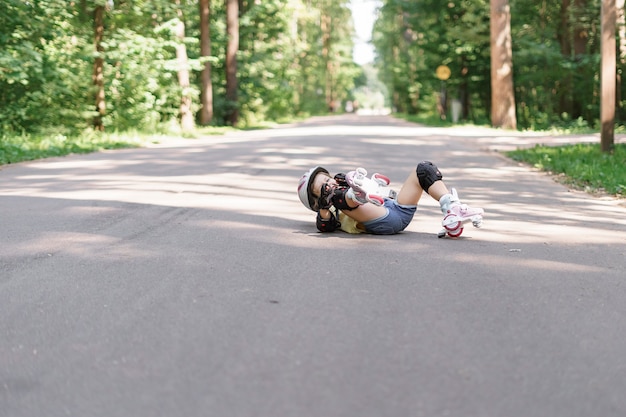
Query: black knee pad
(427, 174)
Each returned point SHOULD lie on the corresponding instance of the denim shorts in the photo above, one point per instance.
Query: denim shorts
(396, 220)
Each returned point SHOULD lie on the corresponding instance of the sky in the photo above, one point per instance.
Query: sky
(363, 16)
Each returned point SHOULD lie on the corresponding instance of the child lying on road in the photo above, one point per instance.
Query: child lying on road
(356, 203)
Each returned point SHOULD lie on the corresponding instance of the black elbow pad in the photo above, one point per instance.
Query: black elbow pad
(329, 225)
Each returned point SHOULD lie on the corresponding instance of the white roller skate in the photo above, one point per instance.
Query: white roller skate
(456, 214)
(369, 190)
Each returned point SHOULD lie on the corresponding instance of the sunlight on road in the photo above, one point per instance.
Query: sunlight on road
(255, 173)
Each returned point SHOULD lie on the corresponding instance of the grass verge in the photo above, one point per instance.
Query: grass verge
(27, 147)
(14, 149)
(581, 166)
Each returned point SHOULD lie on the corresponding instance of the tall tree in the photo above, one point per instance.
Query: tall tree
(565, 40)
(206, 92)
(581, 39)
(607, 82)
(621, 58)
(326, 27)
(232, 29)
(98, 67)
(503, 96)
(186, 115)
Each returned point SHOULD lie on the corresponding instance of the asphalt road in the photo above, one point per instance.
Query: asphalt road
(186, 279)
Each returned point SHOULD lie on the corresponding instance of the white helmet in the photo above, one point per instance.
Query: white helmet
(304, 188)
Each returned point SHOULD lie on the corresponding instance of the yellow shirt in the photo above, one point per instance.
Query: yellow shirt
(348, 224)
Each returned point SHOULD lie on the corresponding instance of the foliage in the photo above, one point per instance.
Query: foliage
(584, 165)
(556, 59)
(555, 84)
(34, 86)
(29, 147)
(369, 93)
(413, 38)
(47, 58)
(294, 59)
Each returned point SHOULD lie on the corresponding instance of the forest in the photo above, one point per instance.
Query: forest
(154, 65)
(555, 48)
(143, 64)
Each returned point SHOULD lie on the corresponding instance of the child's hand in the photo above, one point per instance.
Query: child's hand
(325, 200)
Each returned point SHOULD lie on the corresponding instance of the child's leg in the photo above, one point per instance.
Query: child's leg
(427, 178)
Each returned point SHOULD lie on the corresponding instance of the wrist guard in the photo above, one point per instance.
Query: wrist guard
(329, 225)
(325, 199)
(340, 199)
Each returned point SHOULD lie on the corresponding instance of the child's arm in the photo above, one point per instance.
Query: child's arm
(327, 221)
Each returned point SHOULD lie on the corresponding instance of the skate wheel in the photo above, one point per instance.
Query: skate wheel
(375, 199)
(455, 233)
(477, 221)
(453, 226)
(381, 179)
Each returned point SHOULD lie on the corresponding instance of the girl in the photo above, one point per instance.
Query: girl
(348, 202)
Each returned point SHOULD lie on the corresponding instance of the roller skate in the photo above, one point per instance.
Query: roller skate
(456, 214)
(369, 190)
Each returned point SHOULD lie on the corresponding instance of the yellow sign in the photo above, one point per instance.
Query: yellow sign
(443, 72)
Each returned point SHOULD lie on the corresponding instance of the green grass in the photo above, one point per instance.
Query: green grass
(15, 149)
(582, 166)
(28, 147)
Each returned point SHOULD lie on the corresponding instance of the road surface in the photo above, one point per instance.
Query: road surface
(186, 279)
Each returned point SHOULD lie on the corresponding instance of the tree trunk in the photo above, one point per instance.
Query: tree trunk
(98, 68)
(186, 116)
(607, 80)
(502, 94)
(463, 89)
(621, 30)
(206, 93)
(325, 22)
(565, 94)
(581, 39)
(232, 29)
(581, 35)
